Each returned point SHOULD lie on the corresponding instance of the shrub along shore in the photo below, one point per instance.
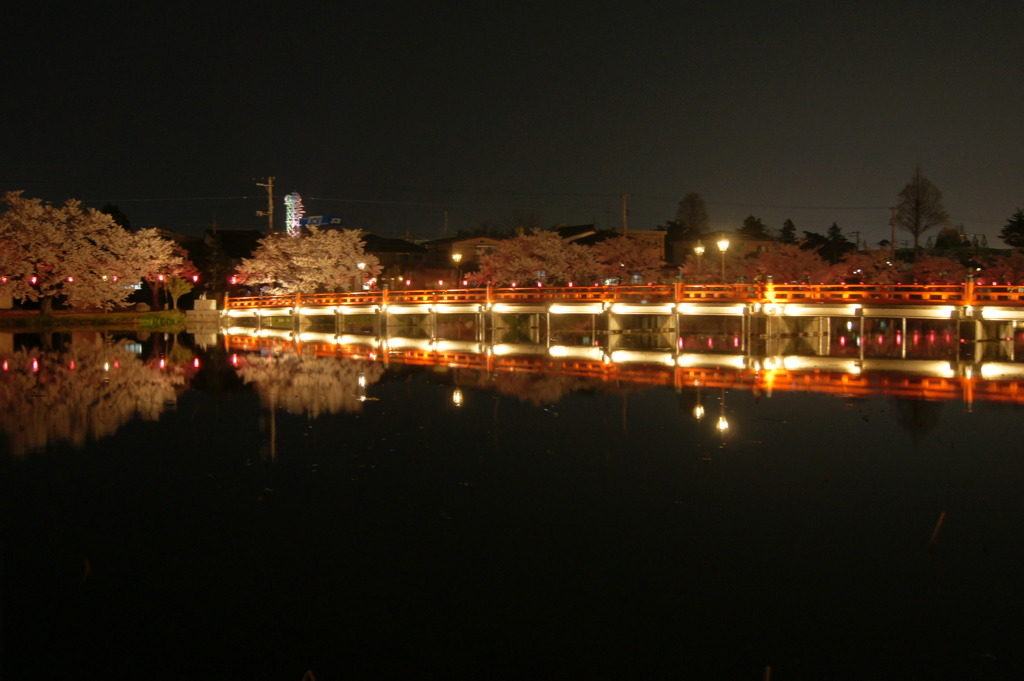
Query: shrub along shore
(165, 320)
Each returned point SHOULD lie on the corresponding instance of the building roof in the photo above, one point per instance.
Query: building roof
(236, 243)
(380, 244)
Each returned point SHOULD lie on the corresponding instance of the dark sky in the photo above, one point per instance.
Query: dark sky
(394, 114)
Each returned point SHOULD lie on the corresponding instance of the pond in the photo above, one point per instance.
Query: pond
(230, 508)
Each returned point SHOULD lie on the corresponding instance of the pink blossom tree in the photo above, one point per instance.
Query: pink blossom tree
(788, 263)
(537, 257)
(630, 260)
(869, 267)
(1003, 269)
(931, 269)
(81, 254)
(323, 260)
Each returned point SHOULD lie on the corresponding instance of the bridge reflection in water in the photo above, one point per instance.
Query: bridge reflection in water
(906, 358)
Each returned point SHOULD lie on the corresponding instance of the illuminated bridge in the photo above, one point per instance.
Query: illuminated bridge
(619, 317)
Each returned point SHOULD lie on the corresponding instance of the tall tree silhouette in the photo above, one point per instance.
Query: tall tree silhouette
(920, 208)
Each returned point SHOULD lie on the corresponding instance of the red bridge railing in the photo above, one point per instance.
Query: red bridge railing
(890, 294)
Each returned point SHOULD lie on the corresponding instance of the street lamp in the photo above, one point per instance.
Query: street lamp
(699, 250)
(457, 259)
(723, 246)
(362, 268)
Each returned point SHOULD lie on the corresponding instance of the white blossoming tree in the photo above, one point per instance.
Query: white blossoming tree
(81, 254)
(633, 261)
(537, 257)
(321, 261)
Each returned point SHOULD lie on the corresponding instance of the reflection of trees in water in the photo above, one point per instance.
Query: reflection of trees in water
(310, 385)
(79, 394)
(918, 416)
(538, 389)
(541, 389)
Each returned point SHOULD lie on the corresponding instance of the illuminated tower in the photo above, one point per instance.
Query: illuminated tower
(293, 212)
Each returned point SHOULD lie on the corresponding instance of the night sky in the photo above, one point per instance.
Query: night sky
(404, 117)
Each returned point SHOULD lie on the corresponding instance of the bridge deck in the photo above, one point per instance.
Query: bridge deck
(967, 294)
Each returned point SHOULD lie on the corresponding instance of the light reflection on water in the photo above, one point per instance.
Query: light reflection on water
(267, 512)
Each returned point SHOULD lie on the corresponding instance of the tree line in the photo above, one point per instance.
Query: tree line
(89, 259)
(81, 256)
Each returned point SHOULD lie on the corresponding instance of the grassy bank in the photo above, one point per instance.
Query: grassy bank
(166, 320)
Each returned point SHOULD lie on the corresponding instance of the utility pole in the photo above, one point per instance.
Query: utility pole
(269, 212)
(892, 223)
(625, 214)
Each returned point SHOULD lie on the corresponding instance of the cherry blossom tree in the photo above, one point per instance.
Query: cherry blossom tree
(40, 249)
(936, 270)
(81, 254)
(788, 263)
(537, 257)
(1003, 269)
(323, 260)
(177, 287)
(869, 267)
(123, 258)
(631, 260)
(162, 259)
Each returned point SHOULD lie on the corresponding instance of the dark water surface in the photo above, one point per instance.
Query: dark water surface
(273, 516)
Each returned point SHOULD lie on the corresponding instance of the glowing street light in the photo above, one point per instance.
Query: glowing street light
(723, 246)
(699, 251)
(457, 259)
(362, 268)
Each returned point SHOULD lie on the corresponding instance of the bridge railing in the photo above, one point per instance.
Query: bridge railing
(884, 294)
(887, 294)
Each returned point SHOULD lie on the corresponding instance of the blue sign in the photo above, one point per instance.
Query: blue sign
(322, 221)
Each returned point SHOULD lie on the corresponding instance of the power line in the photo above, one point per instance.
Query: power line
(383, 202)
(168, 200)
